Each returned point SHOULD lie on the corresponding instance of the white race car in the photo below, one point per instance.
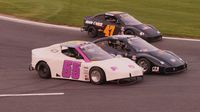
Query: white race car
(84, 61)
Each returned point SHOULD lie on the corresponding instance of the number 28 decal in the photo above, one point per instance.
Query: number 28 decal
(71, 69)
(108, 31)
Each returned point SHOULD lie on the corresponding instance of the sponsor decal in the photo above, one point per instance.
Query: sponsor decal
(98, 24)
(89, 22)
(155, 69)
(114, 68)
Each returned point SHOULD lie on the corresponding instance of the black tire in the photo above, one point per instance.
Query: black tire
(145, 64)
(44, 70)
(129, 32)
(97, 76)
(92, 31)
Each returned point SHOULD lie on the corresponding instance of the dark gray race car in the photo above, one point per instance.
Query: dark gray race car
(114, 23)
(146, 55)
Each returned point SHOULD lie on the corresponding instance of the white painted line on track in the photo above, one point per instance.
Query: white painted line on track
(184, 39)
(31, 94)
(12, 19)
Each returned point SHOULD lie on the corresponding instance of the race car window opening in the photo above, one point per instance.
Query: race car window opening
(71, 52)
(118, 45)
(99, 18)
(110, 19)
(95, 53)
(129, 20)
(106, 45)
(141, 45)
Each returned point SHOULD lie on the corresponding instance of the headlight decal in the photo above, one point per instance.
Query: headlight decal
(114, 68)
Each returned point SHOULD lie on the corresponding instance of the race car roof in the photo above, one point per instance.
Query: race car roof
(124, 36)
(117, 37)
(74, 43)
(112, 13)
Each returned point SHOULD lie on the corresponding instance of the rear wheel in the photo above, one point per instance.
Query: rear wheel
(44, 70)
(92, 31)
(145, 64)
(97, 76)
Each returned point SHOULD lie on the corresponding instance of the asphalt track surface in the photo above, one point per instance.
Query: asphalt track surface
(156, 93)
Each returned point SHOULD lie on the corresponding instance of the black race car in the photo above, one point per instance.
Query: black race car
(115, 23)
(146, 55)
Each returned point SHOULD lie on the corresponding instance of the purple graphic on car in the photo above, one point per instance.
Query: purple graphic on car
(71, 69)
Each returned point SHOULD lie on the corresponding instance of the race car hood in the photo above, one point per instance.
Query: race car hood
(147, 30)
(119, 68)
(168, 58)
(120, 64)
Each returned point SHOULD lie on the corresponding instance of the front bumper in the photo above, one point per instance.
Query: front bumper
(83, 28)
(130, 80)
(154, 38)
(177, 69)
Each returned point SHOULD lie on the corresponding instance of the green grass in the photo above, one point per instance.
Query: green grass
(171, 17)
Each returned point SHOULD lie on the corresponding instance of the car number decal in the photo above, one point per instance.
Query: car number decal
(71, 69)
(108, 31)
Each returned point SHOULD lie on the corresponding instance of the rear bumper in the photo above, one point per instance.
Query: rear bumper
(31, 68)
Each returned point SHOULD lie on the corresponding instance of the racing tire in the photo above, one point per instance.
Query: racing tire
(44, 70)
(129, 32)
(92, 31)
(97, 76)
(145, 64)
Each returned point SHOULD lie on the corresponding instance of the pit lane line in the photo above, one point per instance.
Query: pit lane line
(13, 19)
(31, 94)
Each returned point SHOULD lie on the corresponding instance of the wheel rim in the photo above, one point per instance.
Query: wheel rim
(95, 76)
(43, 70)
(144, 65)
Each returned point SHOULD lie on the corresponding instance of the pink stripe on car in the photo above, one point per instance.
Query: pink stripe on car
(86, 59)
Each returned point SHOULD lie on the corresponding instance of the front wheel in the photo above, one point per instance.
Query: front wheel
(44, 70)
(92, 32)
(145, 64)
(97, 76)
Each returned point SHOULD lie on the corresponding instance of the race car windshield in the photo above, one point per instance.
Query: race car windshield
(141, 45)
(95, 53)
(129, 20)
